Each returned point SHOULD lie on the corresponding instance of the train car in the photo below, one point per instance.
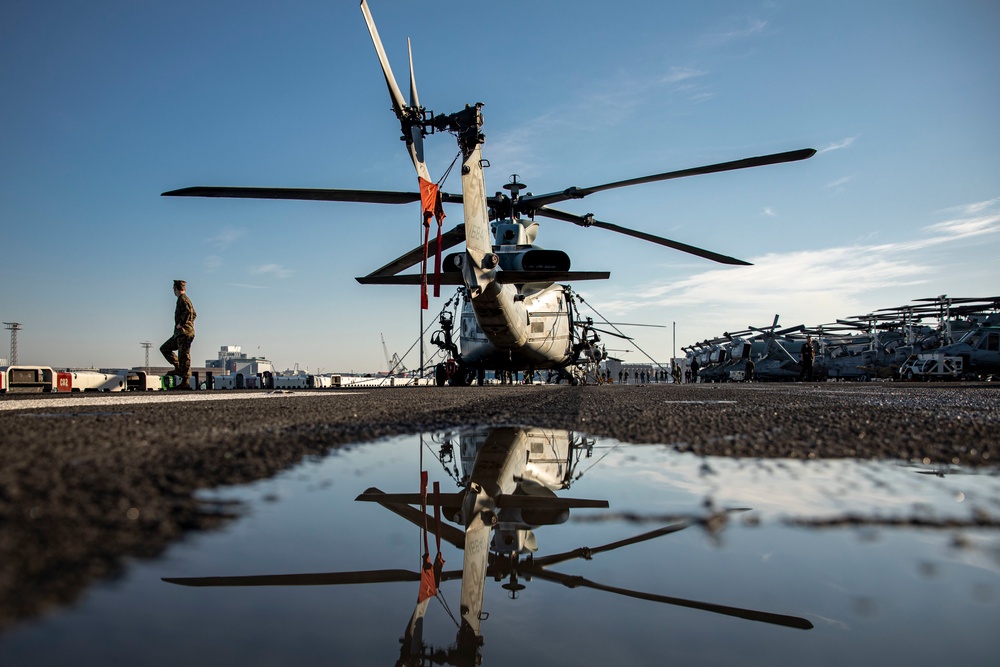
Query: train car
(34, 379)
(319, 381)
(290, 382)
(92, 381)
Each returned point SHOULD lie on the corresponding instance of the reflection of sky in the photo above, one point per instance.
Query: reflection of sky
(875, 595)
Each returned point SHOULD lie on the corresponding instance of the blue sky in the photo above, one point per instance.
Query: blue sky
(107, 104)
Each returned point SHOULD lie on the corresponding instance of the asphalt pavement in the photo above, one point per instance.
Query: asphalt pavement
(90, 480)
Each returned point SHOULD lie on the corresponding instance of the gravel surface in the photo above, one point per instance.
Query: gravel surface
(89, 481)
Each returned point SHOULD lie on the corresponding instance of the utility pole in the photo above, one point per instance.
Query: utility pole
(673, 360)
(146, 344)
(13, 327)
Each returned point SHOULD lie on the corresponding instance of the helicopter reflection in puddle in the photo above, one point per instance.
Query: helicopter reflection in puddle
(509, 479)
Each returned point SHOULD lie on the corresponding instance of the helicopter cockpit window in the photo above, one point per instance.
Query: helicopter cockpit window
(992, 342)
(971, 339)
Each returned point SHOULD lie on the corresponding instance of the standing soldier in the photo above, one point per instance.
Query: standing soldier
(807, 360)
(183, 335)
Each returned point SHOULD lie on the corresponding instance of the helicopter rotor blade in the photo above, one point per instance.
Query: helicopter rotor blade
(309, 194)
(748, 614)
(301, 194)
(588, 221)
(449, 533)
(414, 99)
(536, 201)
(449, 239)
(587, 552)
(310, 579)
(398, 103)
(611, 333)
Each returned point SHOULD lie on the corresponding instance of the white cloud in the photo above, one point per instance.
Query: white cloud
(837, 145)
(839, 183)
(678, 74)
(749, 28)
(275, 270)
(213, 263)
(809, 286)
(246, 286)
(225, 238)
(768, 212)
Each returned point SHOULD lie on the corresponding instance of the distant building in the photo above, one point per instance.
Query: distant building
(234, 361)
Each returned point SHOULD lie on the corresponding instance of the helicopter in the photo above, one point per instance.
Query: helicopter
(509, 477)
(518, 313)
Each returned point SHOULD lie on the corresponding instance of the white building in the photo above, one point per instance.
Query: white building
(234, 361)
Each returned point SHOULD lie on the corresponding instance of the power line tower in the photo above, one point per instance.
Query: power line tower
(13, 327)
(146, 345)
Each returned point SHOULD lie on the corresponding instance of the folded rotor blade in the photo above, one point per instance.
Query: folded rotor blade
(588, 221)
(374, 495)
(522, 277)
(449, 239)
(502, 277)
(535, 201)
(311, 579)
(447, 278)
(449, 533)
(748, 614)
(543, 502)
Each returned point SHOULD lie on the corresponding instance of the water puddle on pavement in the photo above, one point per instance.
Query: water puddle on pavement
(697, 560)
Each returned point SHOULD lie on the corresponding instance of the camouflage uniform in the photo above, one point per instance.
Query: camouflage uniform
(181, 340)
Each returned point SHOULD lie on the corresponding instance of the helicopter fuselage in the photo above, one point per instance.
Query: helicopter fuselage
(511, 327)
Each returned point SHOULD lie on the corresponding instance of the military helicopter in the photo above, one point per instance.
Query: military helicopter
(508, 480)
(517, 314)
(975, 354)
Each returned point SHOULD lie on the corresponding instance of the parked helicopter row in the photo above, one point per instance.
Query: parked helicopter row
(939, 337)
(517, 313)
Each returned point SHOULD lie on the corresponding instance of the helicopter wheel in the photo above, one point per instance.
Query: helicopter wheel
(461, 377)
(440, 375)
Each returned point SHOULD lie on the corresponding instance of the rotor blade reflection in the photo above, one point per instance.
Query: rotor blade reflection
(587, 552)
(748, 614)
(311, 579)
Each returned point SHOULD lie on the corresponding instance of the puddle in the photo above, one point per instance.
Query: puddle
(699, 560)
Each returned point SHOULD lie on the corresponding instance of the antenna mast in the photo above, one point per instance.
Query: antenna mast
(146, 345)
(13, 327)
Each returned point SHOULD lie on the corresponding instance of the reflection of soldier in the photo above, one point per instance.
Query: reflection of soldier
(183, 335)
(807, 360)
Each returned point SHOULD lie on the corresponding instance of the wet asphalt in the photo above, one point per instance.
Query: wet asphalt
(89, 481)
